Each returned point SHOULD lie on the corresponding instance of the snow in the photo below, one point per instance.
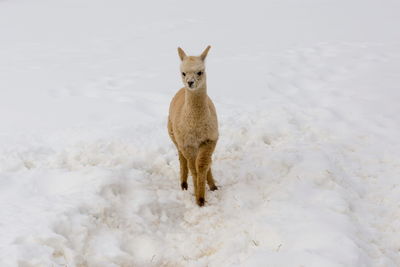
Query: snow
(308, 159)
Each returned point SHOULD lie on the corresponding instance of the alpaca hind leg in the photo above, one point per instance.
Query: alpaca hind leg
(210, 181)
(184, 171)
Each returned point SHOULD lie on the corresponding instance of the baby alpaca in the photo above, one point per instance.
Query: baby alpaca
(193, 125)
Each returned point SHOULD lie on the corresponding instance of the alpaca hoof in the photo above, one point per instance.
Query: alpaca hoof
(213, 188)
(200, 202)
(184, 186)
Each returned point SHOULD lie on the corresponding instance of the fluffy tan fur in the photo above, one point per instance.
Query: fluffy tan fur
(193, 125)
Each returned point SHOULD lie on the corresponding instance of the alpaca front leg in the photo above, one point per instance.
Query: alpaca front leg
(201, 188)
(203, 163)
(184, 171)
(189, 153)
(192, 167)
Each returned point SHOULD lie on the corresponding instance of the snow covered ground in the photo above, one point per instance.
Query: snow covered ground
(308, 162)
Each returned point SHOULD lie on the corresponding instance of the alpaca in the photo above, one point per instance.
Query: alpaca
(193, 125)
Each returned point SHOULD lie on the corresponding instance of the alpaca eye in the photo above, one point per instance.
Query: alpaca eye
(184, 74)
(200, 73)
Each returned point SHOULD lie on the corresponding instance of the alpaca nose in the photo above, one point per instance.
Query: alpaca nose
(190, 83)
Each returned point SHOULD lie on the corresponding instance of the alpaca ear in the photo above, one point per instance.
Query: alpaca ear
(205, 52)
(181, 53)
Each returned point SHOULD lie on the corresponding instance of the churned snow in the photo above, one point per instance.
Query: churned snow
(308, 161)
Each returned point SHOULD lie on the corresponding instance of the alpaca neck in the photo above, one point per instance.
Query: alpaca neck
(196, 100)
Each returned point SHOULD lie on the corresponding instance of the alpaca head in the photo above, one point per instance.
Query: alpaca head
(193, 69)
